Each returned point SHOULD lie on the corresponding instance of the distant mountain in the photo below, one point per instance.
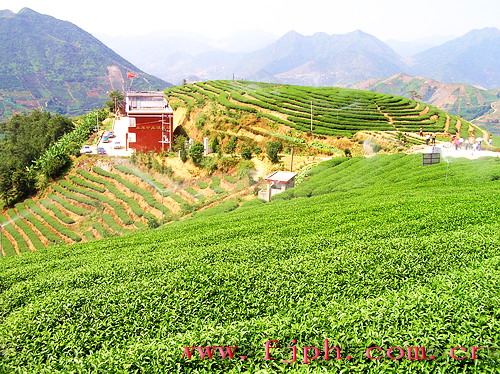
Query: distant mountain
(317, 60)
(460, 99)
(46, 63)
(473, 59)
(322, 59)
(410, 48)
(175, 56)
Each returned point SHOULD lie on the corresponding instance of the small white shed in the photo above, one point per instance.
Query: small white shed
(277, 182)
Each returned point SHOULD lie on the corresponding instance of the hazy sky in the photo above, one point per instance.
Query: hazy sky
(385, 19)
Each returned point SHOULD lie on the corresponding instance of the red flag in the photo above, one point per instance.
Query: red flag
(130, 75)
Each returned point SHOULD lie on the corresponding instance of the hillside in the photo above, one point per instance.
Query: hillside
(459, 99)
(472, 59)
(380, 252)
(102, 197)
(49, 64)
(335, 111)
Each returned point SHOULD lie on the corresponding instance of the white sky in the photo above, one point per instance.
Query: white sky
(385, 19)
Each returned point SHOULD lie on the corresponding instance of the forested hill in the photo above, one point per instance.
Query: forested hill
(53, 64)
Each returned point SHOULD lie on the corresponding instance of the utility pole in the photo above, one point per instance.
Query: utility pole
(291, 162)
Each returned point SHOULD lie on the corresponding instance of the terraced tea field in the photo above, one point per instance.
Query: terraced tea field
(365, 252)
(326, 111)
(98, 202)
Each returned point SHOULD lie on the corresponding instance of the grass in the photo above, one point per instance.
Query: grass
(377, 252)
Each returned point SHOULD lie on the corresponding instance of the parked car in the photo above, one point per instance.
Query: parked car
(117, 145)
(101, 151)
(105, 139)
(111, 134)
(86, 149)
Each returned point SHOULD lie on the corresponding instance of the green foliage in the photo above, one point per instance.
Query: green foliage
(27, 137)
(246, 153)
(9, 226)
(56, 225)
(231, 145)
(41, 227)
(215, 145)
(153, 223)
(67, 205)
(210, 164)
(230, 179)
(55, 159)
(115, 98)
(372, 252)
(272, 149)
(196, 153)
(202, 184)
(57, 212)
(103, 231)
(200, 120)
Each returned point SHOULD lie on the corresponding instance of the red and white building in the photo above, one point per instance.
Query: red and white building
(151, 121)
(277, 182)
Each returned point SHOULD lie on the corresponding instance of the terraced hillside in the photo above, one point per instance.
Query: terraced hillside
(326, 111)
(100, 199)
(365, 252)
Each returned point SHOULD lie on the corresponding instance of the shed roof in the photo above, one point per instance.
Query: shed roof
(281, 176)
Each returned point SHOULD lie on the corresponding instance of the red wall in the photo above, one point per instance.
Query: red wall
(148, 133)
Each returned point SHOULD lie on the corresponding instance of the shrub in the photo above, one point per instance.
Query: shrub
(246, 153)
(272, 149)
(196, 153)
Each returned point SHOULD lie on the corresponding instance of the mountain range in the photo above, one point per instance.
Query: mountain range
(321, 59)
(53, 64)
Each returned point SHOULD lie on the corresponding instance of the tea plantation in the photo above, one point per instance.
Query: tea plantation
(329, 111)
(365, 252)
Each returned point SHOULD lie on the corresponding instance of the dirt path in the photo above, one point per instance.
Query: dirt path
(389, 118)
(447, 123)
(425, 111)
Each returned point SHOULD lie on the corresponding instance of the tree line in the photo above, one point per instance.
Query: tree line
(25, 139)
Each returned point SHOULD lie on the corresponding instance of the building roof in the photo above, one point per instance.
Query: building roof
(143, 102)
(281, 176)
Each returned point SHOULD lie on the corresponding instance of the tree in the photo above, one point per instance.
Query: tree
(115, 97)
(196, 153)
(272, 149)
